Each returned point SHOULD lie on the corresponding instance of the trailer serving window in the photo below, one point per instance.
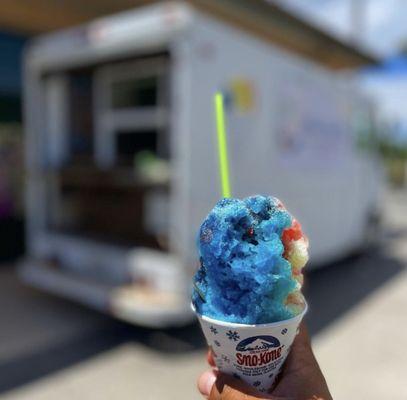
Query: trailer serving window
(130, 111)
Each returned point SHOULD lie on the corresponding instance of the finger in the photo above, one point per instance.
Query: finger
(302, 338)
(227, 388)
(205, 382)
(300, 349)
(301, 352)
(210, 359)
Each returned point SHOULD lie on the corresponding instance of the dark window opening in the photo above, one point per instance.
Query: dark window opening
(135, 92)
(130, 143)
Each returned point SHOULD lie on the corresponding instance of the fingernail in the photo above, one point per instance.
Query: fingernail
(205, 382)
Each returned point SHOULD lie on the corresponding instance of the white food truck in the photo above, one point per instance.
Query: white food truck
(122, 164)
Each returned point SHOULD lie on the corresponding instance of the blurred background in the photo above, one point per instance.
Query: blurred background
(108, 164)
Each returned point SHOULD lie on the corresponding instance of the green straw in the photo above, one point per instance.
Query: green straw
(222, 145)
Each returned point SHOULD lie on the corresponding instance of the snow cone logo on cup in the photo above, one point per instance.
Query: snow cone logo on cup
(263, 350)
(257, 356)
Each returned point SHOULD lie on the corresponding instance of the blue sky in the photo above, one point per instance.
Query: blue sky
(384, 22)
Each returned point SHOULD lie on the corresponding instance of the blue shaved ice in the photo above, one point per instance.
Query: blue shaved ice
(244, 277)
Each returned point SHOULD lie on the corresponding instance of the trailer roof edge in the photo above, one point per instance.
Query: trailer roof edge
(272, 23)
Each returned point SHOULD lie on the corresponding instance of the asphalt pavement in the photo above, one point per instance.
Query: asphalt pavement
(53, 349)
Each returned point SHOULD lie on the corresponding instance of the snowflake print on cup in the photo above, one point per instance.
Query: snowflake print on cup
(225, 359)
(257, 383)
(217, 343)
(214, 330)
(233, 335)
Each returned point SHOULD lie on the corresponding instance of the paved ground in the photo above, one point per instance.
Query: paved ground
(52, 349)
(364, 352)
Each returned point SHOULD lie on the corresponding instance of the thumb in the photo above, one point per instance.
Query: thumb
(228, 388)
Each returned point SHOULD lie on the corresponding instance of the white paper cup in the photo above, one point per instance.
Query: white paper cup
(252, 353)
